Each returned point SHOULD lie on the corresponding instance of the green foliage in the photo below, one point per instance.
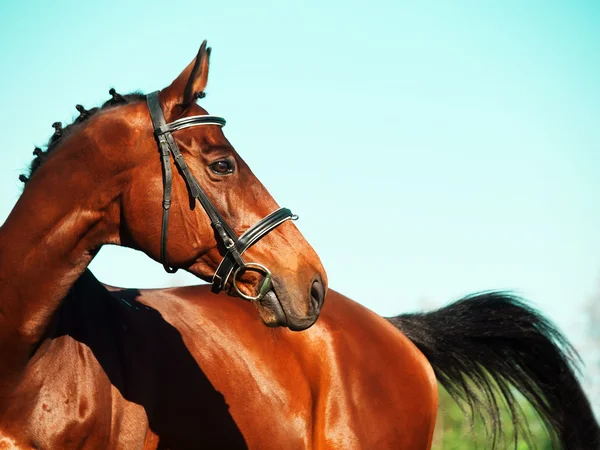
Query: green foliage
(455, 431)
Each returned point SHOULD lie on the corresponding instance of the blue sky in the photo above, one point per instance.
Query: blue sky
(431, 149)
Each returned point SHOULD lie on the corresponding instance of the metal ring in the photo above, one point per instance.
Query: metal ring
(266, 283)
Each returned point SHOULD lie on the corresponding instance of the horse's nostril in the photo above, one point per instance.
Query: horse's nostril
(317, 295)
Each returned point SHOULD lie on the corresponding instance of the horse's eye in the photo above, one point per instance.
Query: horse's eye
(222, 167)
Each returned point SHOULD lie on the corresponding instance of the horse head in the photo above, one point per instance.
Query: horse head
(167, 181)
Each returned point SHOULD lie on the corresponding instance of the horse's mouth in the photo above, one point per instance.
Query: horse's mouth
(270, 310)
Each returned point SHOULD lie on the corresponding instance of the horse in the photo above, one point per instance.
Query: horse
(102, 181)
(175, 369)
(86, 366)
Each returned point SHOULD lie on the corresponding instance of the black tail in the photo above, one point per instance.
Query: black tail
(492, 342)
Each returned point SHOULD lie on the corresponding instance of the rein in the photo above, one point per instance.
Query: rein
(234, 245)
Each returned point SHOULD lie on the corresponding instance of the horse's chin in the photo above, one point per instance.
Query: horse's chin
(273, 315)
(270, 310)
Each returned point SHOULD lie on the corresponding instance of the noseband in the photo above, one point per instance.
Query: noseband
(234, 245)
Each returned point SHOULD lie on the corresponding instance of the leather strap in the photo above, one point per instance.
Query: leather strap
(246, 240)
(158, 120)
(166, 204)
(187, 122)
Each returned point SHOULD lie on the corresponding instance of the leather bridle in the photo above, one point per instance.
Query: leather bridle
(233, 244)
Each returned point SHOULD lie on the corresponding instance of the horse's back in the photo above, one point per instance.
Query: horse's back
(350, 381)
(377, 389)
(182, 368)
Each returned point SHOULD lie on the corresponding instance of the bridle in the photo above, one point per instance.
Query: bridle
(234, 245)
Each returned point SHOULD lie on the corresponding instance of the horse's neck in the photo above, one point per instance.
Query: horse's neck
(46, 243)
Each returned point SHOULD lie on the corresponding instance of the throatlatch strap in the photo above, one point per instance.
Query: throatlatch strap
(167, 187)
(158, 119)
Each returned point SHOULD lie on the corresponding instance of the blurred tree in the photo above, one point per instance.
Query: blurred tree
(455, 430)
(592, 349)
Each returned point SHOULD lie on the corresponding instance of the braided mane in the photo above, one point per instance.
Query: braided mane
(84, 114)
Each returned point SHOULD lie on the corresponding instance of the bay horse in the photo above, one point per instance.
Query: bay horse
(83, 366)
(178, 369)
(103, 182)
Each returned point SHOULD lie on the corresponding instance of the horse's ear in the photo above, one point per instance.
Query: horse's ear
(190, 83)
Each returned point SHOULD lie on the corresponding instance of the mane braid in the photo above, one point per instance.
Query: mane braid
(84, 114)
